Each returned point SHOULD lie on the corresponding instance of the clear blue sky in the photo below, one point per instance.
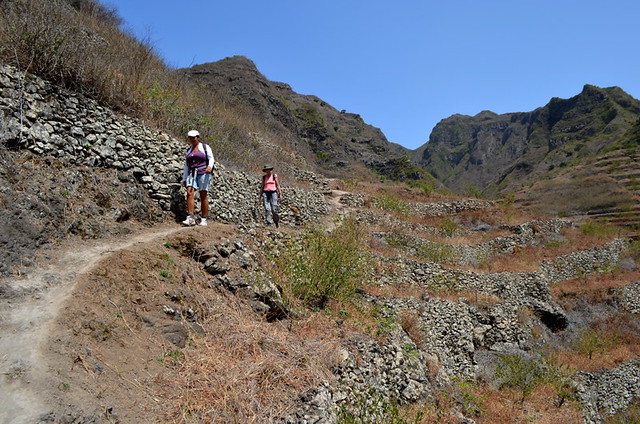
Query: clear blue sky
(404, 65)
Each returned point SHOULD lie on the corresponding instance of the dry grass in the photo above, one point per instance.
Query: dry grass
(488, 405)
(594, 288)
(79, 45)
(410, 323)
(503, 407)
(256, 375)
(402, 192)
(418, 292)
(568, 194)
(528, 259)
(617, 340)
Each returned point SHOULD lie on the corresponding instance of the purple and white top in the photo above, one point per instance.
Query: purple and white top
(197, 160)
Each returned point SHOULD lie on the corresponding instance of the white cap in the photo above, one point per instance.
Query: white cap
(193, 133)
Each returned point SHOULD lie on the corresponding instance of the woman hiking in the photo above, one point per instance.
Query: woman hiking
(198, 166)
(269, 192)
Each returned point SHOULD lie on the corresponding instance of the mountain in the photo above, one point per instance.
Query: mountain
(495, 154)
(336, 141)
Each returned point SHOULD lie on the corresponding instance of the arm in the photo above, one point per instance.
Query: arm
(185, 172)
(277, 181)
(209, 154)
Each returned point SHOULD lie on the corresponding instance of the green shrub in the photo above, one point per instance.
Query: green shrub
(521, 373)
(592, 341)
(437, 252)
(449, 227)
(388, 202)
(597, 229)
(562, 380)
(325, 265)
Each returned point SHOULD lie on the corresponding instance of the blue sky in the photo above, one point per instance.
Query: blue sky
(404, 65)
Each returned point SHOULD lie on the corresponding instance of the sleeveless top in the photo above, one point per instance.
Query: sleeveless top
(270, 182)
(197, 159)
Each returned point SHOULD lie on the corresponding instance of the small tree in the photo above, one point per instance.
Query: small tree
(590, 342)
(521, 373)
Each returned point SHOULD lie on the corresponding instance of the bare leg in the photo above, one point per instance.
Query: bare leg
(204, 200)
(190, 200)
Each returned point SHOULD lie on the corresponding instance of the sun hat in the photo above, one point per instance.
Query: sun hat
(193, 133)
(264, 168)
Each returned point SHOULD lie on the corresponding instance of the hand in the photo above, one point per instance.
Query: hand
(208, 170)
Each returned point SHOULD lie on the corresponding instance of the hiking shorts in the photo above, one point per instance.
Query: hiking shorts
(200, 181)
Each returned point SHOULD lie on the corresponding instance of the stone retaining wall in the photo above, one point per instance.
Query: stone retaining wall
(48, 120)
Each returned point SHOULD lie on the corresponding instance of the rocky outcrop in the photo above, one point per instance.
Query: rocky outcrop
(630, 297)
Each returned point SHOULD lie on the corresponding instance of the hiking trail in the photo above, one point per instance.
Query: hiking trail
(29, 305)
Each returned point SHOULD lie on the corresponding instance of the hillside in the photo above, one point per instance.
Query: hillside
(373, 302)
(339, 143)
(370, 304)
(502, 153)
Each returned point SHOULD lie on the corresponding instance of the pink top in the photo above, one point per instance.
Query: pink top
(270, 182)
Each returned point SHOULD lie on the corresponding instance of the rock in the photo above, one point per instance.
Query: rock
(176, 333)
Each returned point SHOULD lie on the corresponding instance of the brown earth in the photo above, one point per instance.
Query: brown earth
(76, 342)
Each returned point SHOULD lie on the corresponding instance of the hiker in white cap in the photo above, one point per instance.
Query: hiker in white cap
(269, 192)
(196, 176)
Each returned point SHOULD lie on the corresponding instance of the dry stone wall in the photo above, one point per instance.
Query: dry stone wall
(607, 392)
(51, 121)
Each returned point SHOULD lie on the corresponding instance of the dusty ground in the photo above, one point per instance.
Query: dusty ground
(59, 336)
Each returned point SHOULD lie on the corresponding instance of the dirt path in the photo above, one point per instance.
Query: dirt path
(28, 306)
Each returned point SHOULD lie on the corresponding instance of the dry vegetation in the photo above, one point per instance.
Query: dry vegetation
(604, 345)
(78, 44)
(570, 194)
(593, 288)
(256, 374)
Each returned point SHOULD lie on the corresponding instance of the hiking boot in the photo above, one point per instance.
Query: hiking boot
(189, 222)
(203, 222)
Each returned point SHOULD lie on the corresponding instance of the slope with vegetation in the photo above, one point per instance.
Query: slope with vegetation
(372, 303)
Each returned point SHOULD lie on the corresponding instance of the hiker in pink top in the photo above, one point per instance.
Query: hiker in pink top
(269, 192)
(196, 176)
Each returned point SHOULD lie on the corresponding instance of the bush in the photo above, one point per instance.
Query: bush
(596, 229)
(521, 373)
(388, 202)
(592, 341)
(325, 265)
(77, 44)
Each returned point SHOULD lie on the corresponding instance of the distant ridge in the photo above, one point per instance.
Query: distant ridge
(502, 153)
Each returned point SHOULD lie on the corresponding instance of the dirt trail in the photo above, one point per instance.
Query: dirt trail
(28, 306)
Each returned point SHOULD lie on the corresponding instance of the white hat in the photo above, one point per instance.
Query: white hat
(193, 133)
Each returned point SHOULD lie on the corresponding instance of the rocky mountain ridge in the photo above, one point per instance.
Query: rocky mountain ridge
(502, 153)
(337, 142)
(488, 154)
